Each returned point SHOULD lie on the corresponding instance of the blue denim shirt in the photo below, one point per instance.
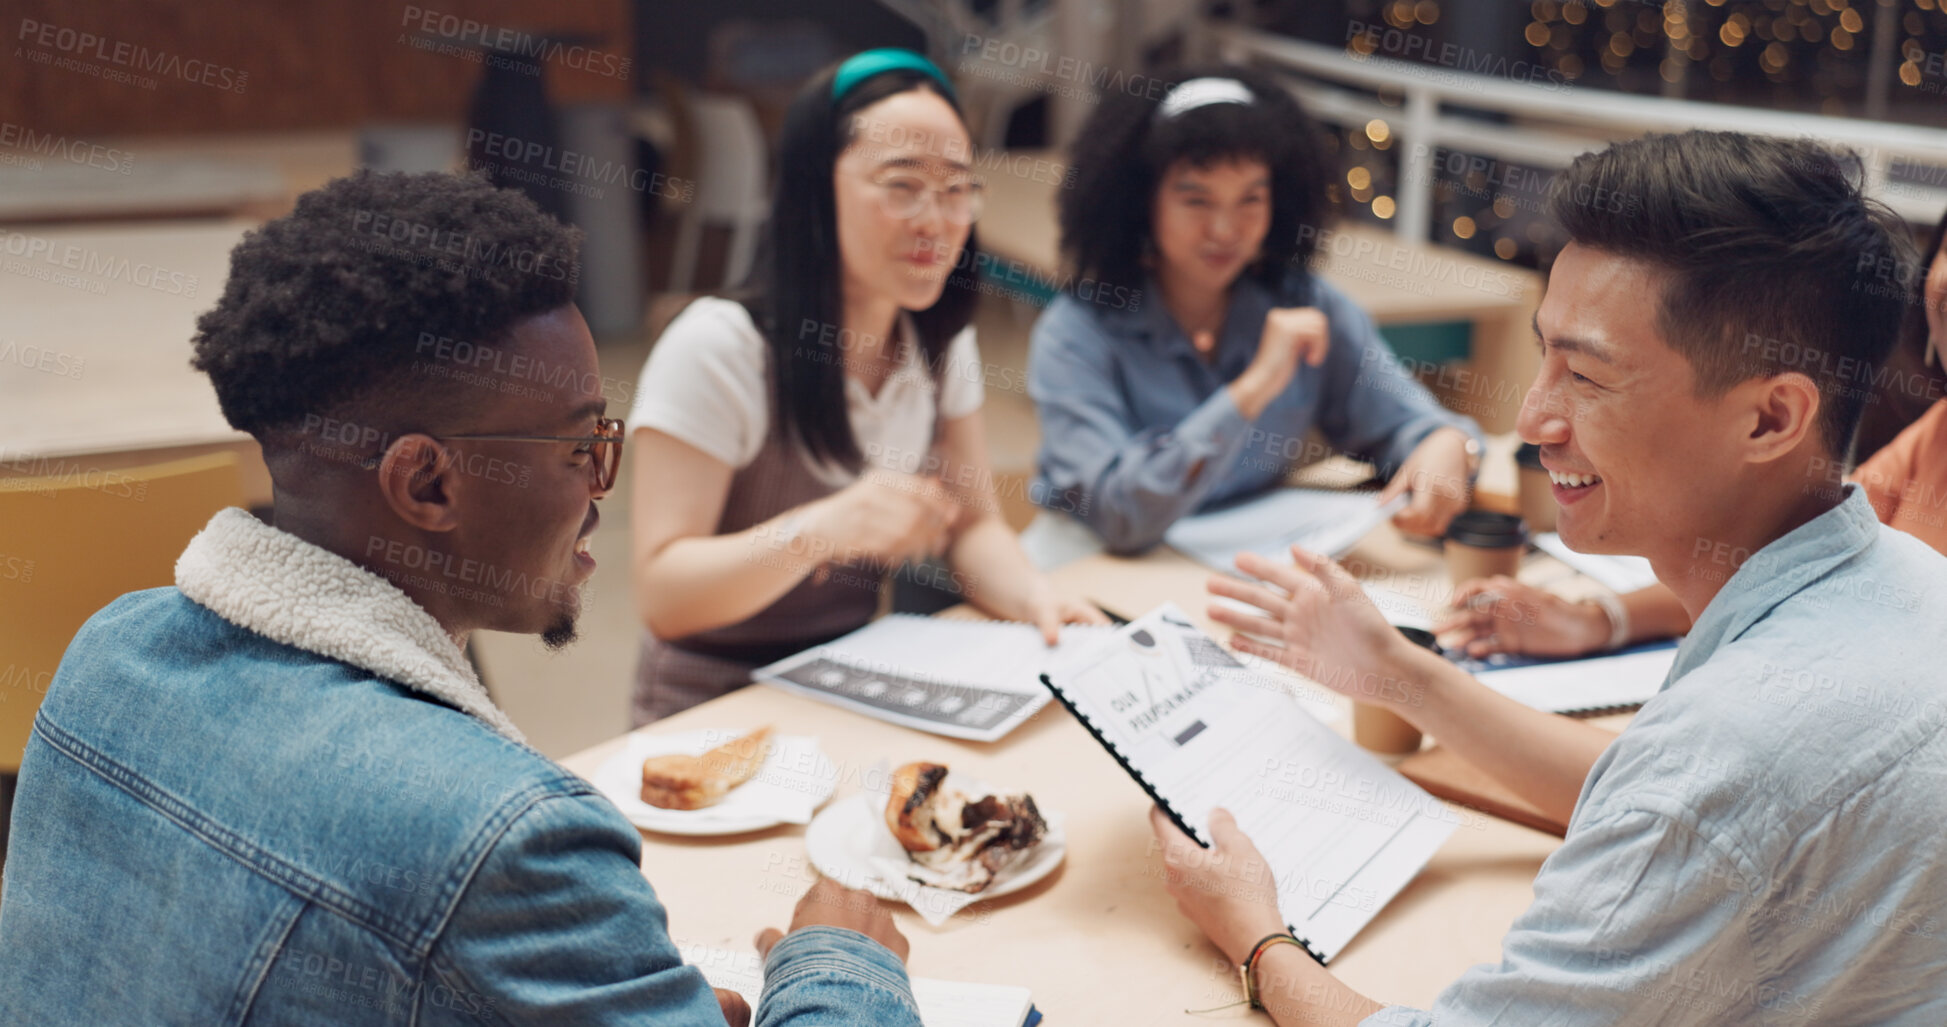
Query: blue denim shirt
(1762, 844)
(1137, 428)
(212, 827)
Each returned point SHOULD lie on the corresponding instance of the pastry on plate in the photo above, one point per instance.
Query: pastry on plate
(956, 840)
(693, 782)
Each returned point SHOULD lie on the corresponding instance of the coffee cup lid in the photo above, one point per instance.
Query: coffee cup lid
(1529, 455)
(1487, 529)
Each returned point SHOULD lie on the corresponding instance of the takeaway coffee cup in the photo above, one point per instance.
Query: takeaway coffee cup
(1482, 543)
(1379, 729)
(1537, 496)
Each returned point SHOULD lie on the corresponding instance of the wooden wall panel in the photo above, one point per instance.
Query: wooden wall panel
(286, 63)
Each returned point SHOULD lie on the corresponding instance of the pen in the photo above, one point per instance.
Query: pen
(1114, 618)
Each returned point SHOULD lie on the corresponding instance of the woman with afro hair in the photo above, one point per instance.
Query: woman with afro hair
(1195, 347)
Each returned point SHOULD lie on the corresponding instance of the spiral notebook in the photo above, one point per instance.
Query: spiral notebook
(1322, 520)
(1581, 687)
(1617, 573)
(960, 678)
(1199, 729)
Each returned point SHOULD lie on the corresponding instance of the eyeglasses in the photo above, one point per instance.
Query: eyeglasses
(903, 196)
(604, 447)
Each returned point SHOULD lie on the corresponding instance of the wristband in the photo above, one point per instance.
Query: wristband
(1618, 615)
(1247, 970)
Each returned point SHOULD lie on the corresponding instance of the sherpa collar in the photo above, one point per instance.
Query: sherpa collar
(286, 589)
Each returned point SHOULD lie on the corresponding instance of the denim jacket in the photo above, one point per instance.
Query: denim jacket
(277, 794)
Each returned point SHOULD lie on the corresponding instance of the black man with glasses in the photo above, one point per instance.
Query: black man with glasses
(277, 792)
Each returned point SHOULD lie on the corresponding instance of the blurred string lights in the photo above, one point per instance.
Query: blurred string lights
(1812, 55)
(1817, 48)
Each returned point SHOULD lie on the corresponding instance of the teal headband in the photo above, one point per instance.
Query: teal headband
(861, 66)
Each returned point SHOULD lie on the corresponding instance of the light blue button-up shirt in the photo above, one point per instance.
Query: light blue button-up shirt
(1137, 428)
(1763, 844)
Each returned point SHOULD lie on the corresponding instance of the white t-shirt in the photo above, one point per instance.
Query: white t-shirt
(704, 384)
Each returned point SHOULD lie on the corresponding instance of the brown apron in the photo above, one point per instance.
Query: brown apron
(673, 675)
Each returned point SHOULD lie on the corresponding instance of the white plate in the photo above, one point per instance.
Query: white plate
(794, 780)
(843, 839)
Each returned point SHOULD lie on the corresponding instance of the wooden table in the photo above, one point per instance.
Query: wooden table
(250, 175)
(98, 375)
(1099, 940)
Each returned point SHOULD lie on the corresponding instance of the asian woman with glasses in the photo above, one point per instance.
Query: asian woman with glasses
(793, 444)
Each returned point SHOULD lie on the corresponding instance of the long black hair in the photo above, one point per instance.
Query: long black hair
(795, 288)
(1123, 150)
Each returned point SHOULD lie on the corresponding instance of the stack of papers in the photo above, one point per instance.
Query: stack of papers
(1608, 682)
(1320, 520)
(1617, 573)
(1198, 729)
(941, 1003)
(965, 679)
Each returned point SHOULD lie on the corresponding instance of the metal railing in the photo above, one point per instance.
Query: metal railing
(1548, 125)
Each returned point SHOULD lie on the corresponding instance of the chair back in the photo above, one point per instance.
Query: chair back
(73, 541)
(732, 163)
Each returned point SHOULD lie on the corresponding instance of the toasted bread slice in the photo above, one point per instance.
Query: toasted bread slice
(693, 782)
